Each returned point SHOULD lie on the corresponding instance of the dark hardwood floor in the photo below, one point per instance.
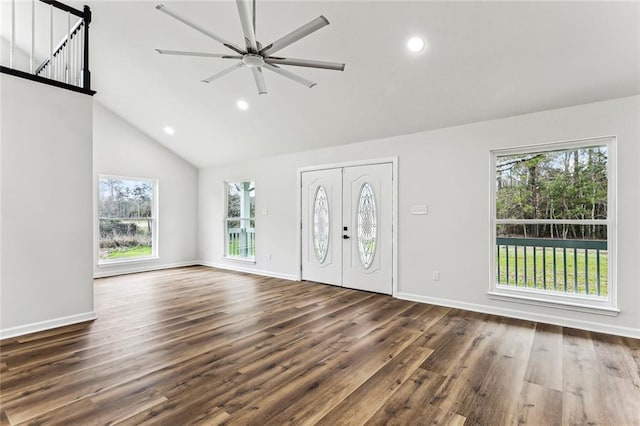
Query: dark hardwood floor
(199, 345)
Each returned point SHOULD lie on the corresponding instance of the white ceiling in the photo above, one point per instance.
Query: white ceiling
(484, 60)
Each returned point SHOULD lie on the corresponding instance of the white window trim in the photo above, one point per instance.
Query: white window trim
(251, 260)
(155, 223)
(225, 255)
(567, 301)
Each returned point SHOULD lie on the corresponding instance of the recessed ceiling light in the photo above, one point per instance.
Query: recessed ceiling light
(415, 44)
(243, 105)
(169, 130)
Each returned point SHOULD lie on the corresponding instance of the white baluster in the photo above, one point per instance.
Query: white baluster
(13, 33)
(33, 38)
(67, 50)
(50, 70)
(81, 47)
(72, 51)
(76, 56)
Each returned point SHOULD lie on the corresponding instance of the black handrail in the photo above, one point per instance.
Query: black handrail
(44, 80)
(66, 8)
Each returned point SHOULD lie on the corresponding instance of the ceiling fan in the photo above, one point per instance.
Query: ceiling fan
(254, 55)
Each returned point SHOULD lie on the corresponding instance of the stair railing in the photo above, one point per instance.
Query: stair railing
(67, 62)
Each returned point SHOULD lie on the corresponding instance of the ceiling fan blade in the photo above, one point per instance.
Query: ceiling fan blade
(305, 63)
(259, 78)
(253, 8)
(210, 55)
(247, 25)
(163, 8)
(289, 75)
(295, 35)
(223, 72)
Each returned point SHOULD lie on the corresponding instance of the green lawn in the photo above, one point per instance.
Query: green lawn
(234, 249)
(137, 251)
(542, 276)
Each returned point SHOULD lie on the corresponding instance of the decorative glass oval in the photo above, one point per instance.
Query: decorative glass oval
(321, 224)
(367, 225)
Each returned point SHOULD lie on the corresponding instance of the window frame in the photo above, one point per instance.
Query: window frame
(568, 301)
(226, 219)
(154, 221)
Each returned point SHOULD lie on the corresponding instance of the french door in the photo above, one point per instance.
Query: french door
(347, 227)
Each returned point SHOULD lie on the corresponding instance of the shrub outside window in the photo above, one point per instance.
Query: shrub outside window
(240, 234)
(127, 219)
(553, 211)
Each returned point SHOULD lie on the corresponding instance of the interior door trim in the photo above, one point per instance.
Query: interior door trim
(394, 210)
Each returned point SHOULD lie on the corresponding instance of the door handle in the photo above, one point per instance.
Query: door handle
(345, 237)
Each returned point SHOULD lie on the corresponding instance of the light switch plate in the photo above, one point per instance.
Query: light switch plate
(419, 209)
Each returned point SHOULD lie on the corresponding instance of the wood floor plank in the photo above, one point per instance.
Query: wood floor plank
(198, 345)
(350, 374)
(4, 420)
(545, 361)
(450, 337)
(591, 394)
(480, 377)
(539, 405)
(422, 317)
(615, 359)
(72, 413)
(409, 405)
(359, 406)
(276, 405)
(580, 398)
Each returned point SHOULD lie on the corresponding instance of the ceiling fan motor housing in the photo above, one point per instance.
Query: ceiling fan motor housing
(252, 60)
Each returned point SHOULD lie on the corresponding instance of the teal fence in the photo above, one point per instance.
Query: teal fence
(569, 266)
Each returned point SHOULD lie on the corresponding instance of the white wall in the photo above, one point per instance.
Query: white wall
(122, 150)
(449, 170)
(45, 221)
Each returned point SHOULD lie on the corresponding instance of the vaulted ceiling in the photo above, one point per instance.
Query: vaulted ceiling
(483, 60)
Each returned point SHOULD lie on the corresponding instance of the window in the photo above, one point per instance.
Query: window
(367, 225)
(128, 225)
(240, 233)
(321, 224)
(553, 224)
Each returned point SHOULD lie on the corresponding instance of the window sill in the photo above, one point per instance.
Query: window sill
(251, 260)
(580, 304)
(102, 264)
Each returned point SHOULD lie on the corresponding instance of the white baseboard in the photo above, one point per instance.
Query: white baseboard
(240, 268)
(512, 313)
(46, 325)
(132, 270)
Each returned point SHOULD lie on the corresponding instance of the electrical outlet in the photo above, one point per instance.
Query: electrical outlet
(436, 275)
